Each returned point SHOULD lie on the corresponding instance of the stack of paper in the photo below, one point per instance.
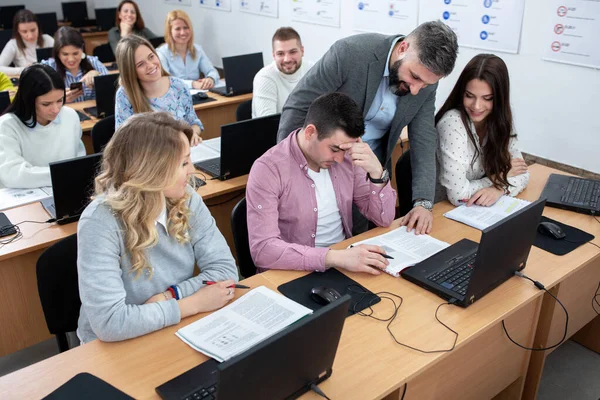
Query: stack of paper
(483, 217)
(407, 248)
(207, 150)
(254, 317)
(10, 198)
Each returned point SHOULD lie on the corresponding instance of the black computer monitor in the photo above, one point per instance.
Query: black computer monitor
(5, 36)
(75, 12)
(105, 18)
(48, 23)
(44, 53)
(4, 101)
(157, 41)
(7, 14)
(106, 89)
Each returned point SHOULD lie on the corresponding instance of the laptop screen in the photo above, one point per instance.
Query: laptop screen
(240, 72)
(73, 184)
(75, 11)
(105, 18)
(245, 141)
(289, 362)
(106, 89)
(44, 53)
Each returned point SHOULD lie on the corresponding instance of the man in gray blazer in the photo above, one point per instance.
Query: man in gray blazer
(394, 80)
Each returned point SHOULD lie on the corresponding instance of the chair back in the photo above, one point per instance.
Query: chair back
(102, 132)
(403, 174)
(244, 111)
(239, 229)
(104, 53)
(58, 288)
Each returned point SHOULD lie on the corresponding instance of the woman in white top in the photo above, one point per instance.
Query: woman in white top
(37, 130)
(181, 57)
(477, 154)
(20, 50)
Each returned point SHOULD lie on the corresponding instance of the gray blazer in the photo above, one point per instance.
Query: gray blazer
(354, 66)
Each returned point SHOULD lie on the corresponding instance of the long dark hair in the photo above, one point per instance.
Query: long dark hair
(498, 124)
(67, 36)
(24, 17)
(35, 80)
(139, 21)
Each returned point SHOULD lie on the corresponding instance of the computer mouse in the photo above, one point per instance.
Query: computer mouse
(324, 295)
(552, 230)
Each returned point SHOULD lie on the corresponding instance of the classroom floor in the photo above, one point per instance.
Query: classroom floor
(571, 372)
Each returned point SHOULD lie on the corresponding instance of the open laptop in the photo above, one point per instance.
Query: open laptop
(76, 13)
(4, 101)
(105, 18)
(572, 193)
(241, 144)
(467, 271)
(72, 186)
(43, 53)
(106, 89)
(282, 367)
(239, 74)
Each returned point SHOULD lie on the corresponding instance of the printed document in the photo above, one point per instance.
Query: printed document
(407, 248)
(249, 320)
(207, 150)
(10, 198)
(483, 217)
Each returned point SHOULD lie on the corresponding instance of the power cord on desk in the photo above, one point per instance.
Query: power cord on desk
(541, 287)
(18, 235)
(595, 302)
(593, 244)
(395, 314)
(404, 392)
(318, 391)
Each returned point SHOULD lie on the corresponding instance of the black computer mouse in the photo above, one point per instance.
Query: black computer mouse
(324, 295)
(551, 229)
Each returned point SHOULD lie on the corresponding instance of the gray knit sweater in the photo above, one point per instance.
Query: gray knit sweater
(112, 299)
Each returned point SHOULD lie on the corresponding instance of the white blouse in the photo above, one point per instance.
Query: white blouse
(455, 152)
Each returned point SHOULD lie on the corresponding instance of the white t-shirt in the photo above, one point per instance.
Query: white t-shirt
(271, 88)
(21, 59)
(26, 152)
(329, 222)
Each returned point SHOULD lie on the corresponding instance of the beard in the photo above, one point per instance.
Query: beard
(397, 86)
(295, 67)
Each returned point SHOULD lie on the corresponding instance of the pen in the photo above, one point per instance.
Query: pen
(382, 255)
(238, 286)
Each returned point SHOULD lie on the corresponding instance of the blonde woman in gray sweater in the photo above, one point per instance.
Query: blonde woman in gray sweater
(140, 237)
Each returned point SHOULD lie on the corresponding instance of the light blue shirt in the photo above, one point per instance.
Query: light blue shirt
(379, 118)
(89, 93)
(188, 70)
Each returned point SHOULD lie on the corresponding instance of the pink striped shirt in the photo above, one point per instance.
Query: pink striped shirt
(282, 207)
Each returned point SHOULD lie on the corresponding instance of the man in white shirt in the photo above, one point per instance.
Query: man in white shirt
(274, 83)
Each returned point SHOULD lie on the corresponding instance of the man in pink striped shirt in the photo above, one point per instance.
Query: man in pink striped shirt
(300, 193)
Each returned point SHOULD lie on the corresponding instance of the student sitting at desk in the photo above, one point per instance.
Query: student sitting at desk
(300, 193)
(478, 156)
(129, 22)
(37, 130)
(71, 62)
(181, 57)
(146, 86)
(142, 235)
(20, 50)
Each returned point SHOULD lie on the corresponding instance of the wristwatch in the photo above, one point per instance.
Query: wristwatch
(426, 204)
(385, 177)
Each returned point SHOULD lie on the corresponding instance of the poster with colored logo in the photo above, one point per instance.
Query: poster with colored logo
(572, 33)
(223, 5)
(321, 12)
(493, 25)
(386, 16)
(267, 8)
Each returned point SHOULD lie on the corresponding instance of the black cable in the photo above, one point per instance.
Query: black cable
(404, 392)
(391, 319)
(597, 220)
(595, 301)
(593, 244)
(18, 234)
(541, 287)
(318, 391)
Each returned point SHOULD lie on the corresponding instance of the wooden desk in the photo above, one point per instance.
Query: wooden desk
(23, 322)
(93, 40)
(369, 364)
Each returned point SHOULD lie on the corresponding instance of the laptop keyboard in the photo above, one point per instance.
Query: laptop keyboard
(456, 277)
(49, 206)
(203, 394)
(582, 192)
(212, 166)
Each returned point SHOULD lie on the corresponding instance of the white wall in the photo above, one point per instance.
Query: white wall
(555, 114)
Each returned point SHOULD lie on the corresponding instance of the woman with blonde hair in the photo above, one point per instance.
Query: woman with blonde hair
(181, 57)
(146, 86)
(142, 234)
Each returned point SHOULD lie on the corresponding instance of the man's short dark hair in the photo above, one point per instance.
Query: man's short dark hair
(286, 33)
(333, 111)
(436, 45)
